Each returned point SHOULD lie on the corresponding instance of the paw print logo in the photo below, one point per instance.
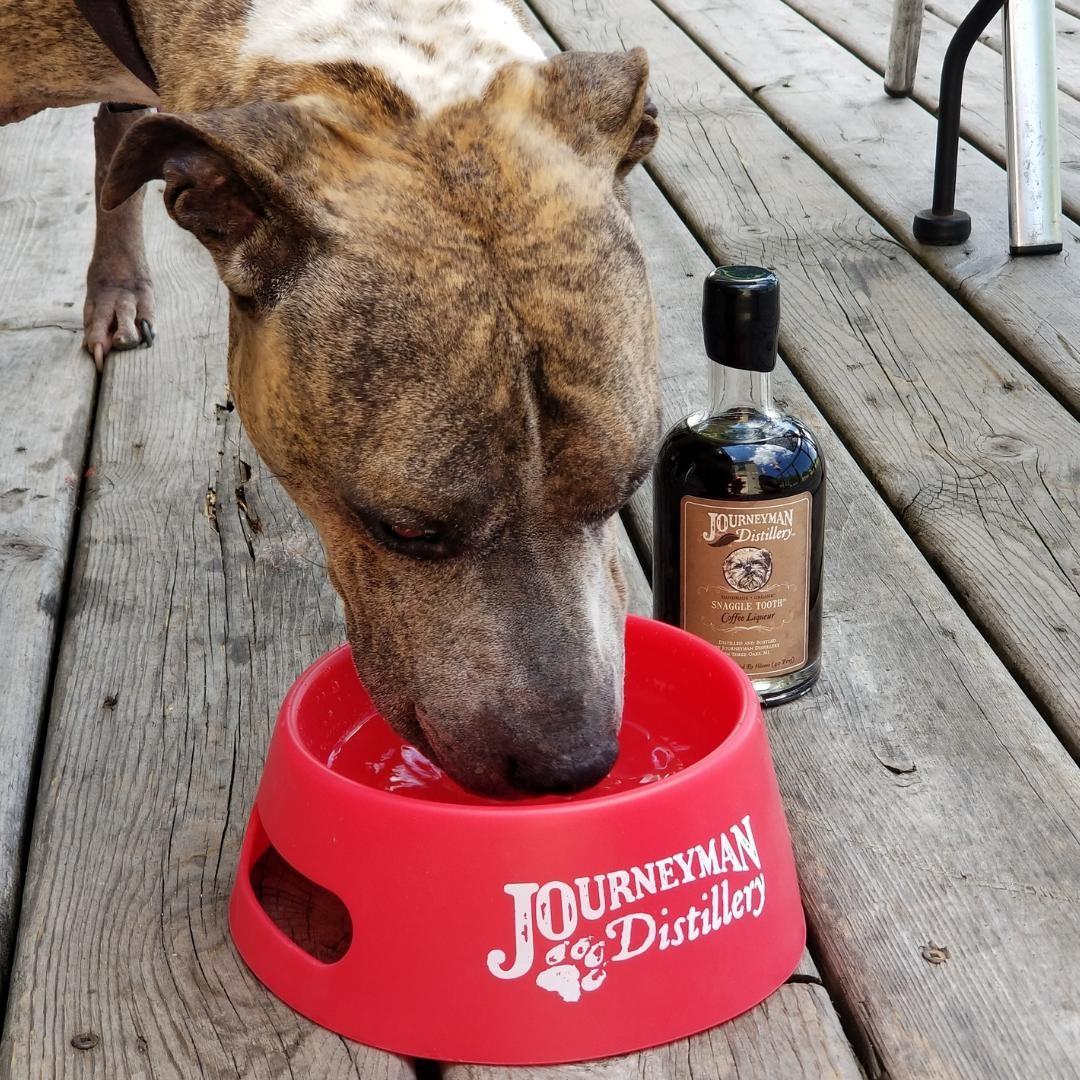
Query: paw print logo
(573, 970)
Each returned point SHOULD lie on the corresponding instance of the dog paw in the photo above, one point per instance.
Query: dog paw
(573, 970)
(119, 314)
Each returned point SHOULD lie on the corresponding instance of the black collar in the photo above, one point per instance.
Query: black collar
(111, 19)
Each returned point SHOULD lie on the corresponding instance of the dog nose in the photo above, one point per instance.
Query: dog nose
(563, 777)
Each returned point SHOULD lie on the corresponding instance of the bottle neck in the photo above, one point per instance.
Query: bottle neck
(744, 395)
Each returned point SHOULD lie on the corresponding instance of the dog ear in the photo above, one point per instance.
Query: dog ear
(599, 101)
(225, 182)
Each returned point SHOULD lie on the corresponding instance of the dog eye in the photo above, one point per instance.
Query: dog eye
(410, 534)
(416, 541)
(407, 537)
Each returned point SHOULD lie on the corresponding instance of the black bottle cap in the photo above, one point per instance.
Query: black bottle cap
(741, 317)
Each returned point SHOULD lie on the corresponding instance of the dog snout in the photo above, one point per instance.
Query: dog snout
(567, 742)
(559, 775)
(558, 744)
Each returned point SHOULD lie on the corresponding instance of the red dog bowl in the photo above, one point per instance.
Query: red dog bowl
(654, 906)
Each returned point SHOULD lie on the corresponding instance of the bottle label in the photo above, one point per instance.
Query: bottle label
(745, 570)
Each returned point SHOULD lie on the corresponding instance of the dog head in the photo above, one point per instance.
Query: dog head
(748, 569)
(443, 342)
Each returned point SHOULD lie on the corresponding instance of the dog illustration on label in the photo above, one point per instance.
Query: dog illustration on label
(574, 969)
(748, 569)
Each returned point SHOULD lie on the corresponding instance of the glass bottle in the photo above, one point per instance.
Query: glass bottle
(739, 502)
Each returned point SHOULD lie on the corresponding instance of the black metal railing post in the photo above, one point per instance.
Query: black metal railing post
(943, 224)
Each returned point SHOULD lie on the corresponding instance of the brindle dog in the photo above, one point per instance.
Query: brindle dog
(442, 337)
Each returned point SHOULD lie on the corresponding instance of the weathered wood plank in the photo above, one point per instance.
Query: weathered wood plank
(883, 150)
(929, 802)
(793, 1035)
(908, 775)
(179, 642)
(1067, 28)
(857, 26)
(46, 395)
(978, 460)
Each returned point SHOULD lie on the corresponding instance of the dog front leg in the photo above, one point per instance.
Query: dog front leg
(119, 310)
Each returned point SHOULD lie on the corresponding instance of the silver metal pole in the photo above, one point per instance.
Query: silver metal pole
(1031, 128)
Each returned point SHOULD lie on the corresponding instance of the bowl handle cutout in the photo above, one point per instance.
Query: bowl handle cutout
(307, 915)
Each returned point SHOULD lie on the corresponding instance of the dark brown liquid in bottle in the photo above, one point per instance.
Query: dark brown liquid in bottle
(699, 458)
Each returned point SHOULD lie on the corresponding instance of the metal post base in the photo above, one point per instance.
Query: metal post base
(1031, 128)
(943, 224)
(941, 230)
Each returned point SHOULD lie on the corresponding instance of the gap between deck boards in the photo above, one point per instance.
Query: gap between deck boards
(857, 26)
(9, 919)
(48, 394)
(1067, 28)
(932, 379)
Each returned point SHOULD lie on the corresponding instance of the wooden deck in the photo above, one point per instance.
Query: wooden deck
(930, 781)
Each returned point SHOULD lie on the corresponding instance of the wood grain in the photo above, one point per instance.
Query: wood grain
(46, 393)
(904, 37)
(911, 776)
(1067, 28)
(976, 458)
(793, 1035)
(183, 631)
(929, 802)
(883, 152)
(857, 26)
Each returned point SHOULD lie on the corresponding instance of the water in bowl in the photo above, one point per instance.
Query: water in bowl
(371, 753)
